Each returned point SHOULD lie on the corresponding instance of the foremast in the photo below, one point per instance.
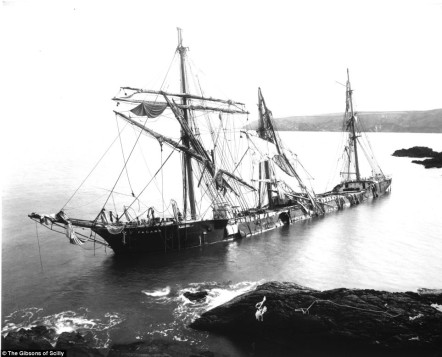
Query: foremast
(188, 185)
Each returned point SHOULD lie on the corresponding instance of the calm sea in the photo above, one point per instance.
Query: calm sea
(392, 243)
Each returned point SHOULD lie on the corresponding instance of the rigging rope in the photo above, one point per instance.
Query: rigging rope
(136, 198)
(121, 172)
(124, 158)
(135, 144)
(101, 158)
(38, 242)
(162, 178)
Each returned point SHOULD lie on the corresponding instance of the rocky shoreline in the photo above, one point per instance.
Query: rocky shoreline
(283, 319)
(80, 345)
(433, 158)
(332, 322)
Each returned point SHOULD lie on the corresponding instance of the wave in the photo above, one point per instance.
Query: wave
(218, 294)
(157, 293)
(66, 321)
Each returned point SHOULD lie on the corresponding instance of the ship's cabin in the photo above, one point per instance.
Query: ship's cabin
(354, 186)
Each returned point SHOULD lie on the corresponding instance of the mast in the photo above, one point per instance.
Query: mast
(188, 187)
(352, 123)
(262, 134)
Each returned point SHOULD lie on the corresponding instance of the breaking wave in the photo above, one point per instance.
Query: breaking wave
(157, 293)
(218, 294)
(66, 321)
(185, 310)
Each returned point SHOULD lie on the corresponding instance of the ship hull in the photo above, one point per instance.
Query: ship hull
(171, 236)
(269, 219)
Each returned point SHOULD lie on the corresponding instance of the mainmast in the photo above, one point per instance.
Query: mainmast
(353, 136)
(188, 187)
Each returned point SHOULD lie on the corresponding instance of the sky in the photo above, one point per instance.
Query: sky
(62, 61)
(296, 51)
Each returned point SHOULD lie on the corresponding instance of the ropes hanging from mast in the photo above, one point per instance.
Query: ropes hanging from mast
(124, 159)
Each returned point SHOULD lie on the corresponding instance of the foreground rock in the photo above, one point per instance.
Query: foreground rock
(332, 322)
(38, 337)
(158, 348)
(80, 345)
(434, 158)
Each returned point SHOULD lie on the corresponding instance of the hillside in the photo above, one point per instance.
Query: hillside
(427, 121)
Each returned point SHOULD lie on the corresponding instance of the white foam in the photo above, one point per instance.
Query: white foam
(218, 294)
(66, 321)
(157, 293)
(437, 307)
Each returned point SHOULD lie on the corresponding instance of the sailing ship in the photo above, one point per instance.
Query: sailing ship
(210, 167)
(249, 180)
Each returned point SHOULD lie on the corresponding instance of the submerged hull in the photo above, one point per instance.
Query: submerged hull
(173, 236)
(162, 237)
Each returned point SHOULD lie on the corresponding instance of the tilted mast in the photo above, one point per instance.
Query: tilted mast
(262, 129)
(267, 132)
(188, 187)
(351, 125)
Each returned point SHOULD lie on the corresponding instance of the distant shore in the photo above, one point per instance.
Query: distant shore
(426, 121)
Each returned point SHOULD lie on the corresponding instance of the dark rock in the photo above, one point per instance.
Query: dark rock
(40, 338)
(434, 158)
(196, 296)
(158, 348)
(36, 338)
(334, 321)
(77, 345)
(432, 163)
(415, 151)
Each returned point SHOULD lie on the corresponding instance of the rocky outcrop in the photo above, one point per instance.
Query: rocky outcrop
(333, 321)
(432, 163)
(196, 296)
(39, 337)
(158, 348)
(434, 158)
(77, 344)
(415, 151)
(80, 345)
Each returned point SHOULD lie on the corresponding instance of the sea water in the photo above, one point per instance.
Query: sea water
(392, 243)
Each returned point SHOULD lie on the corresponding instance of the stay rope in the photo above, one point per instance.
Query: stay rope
(38, 242)
(135, 144)
(101, 158)
(124, 158)
(153, 177)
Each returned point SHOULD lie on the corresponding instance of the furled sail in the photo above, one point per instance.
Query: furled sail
(149, 109)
